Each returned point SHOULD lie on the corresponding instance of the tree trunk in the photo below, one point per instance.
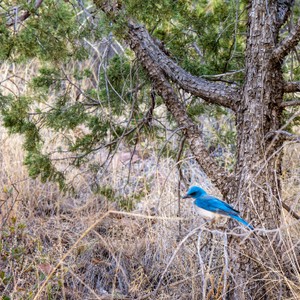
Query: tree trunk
(257, 174)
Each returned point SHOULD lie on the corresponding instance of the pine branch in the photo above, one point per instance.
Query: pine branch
(287, 44)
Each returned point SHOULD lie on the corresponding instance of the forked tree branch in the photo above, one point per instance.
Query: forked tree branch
(212, 92)
(287, 44)
(291, 87)
(192, 132)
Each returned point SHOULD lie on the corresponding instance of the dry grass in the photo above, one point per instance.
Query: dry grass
(85, 246)
(81, 246)
(116, 253)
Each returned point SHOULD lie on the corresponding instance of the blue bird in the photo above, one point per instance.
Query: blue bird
(211, 206)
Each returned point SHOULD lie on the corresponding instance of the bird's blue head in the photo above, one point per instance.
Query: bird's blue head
(194, 192)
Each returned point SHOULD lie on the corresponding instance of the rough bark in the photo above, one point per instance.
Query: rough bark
(260, 109)
(258, 167)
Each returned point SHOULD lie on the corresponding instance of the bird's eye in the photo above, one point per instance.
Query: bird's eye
(193, 194)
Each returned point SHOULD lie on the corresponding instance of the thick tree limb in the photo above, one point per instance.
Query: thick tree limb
(160, 68)
(212, 92)
(292, 87)
(287, 44)
(290, 103)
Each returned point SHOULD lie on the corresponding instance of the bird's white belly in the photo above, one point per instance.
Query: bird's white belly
(205, 213)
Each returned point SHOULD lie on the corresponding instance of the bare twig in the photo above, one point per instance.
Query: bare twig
(226, 265)
(181, 177)
(290, 103)
(290, 210)
(224, 74)
(11, 206)
(167, 141)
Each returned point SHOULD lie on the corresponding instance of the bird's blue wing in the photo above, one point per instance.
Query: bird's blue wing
(216, 205)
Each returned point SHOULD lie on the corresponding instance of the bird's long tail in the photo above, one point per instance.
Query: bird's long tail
(239, 219)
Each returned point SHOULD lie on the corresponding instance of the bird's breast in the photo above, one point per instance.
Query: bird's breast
(205, 213)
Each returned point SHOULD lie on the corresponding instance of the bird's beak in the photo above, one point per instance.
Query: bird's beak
(186, 196)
